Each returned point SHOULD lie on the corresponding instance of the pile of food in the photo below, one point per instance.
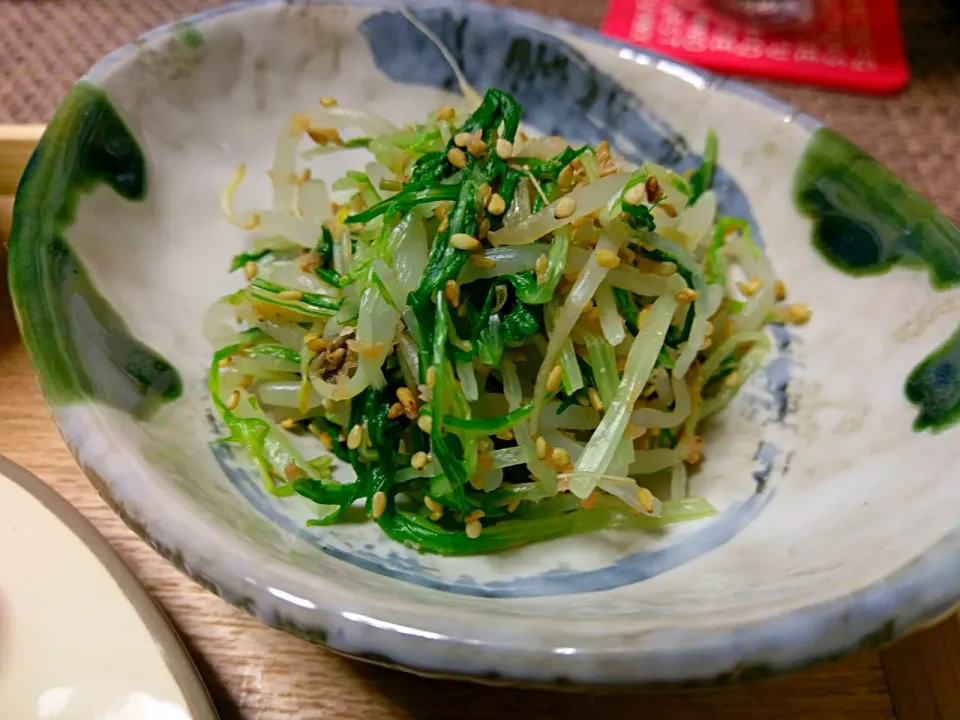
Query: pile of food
(508, 339)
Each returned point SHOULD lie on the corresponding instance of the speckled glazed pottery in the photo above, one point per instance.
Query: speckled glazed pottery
(834, 470)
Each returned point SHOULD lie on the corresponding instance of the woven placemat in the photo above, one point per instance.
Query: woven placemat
(46, 44)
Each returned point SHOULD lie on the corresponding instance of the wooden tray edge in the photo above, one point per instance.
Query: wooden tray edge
(16, 144)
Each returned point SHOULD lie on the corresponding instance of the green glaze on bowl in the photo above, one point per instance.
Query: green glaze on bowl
(868, 222)
(188, 34)
(86, 144)
(934, 386)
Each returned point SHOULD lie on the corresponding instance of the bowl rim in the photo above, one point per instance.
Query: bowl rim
(917, 594)
(169, 645)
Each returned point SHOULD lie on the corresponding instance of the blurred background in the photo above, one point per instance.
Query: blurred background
(46, 44)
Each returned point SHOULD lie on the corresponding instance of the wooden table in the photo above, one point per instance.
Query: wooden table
(256, 672)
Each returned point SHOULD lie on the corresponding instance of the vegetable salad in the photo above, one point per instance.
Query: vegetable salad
(508, 339)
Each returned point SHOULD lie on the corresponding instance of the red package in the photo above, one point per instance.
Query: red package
(851, 45)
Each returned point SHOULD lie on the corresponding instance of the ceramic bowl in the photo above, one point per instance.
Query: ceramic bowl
(838, 504)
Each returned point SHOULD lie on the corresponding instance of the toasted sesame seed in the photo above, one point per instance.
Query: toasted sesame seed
(565, 179)
(553, 379)
(436, 515)
(451, 291)
(462, 241)
(474, 528)
(378, 504)
(645, 498)
(606, 258)
(432, 505)
(444, 224)
(474, 515)
(328, 102)
(636, 195)
(504, 435)
(560, 457)
(542, 264)
(324, 135)
(323, 436)
(250, 269)
(409, 402)
(589, 502)
(355, 437)
(686, 296)
(581, 221)
(317, 344)
(335, 358)
(595, 400)
(396, 410)
(457, 158)
(484, 192)
(642, 317)
(431, 376)
(368, 350)
(799, 313)
(481, 261)
(288, 423)
(477, 147)
(694, 452)
(750, 288)
(425, 423)
(781, 291)
(225, 362)
(462, 139)
(484, 461)
(233, 400)
(497, 205)
(652, 186)
(583, 401)
(446, 113)
(291, 295)
(565, 208)
(666, 269)
(246, 381)
(504, 148)
(293, 471)
(419, 460)
(484, 228)
(542, 447)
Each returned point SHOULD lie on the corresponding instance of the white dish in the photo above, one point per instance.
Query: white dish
(80, 639)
